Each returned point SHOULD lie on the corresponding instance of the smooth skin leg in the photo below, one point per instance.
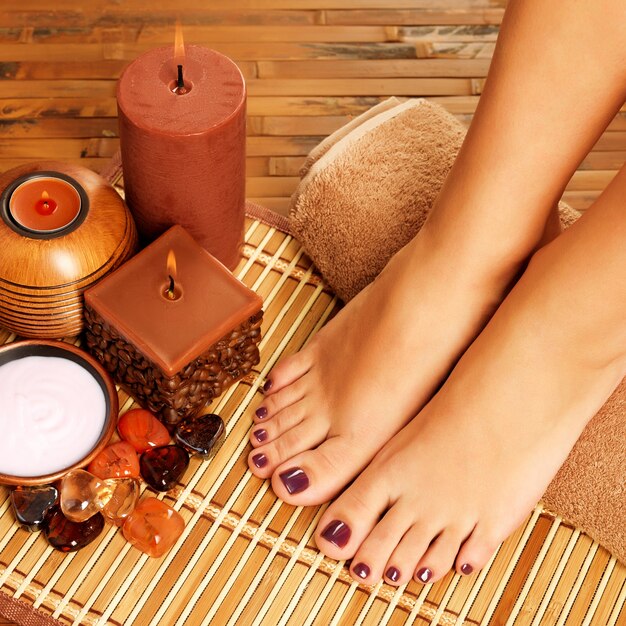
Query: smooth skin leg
(556, 80)
(456, 481)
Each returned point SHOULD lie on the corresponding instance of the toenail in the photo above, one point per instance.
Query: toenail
(261, 412)
(260, 435)
(295, 480)
(361, 570)
(268, 385)
(424, 574)
(337, 533)
(393, 574)
(466, 569)
(259, 460)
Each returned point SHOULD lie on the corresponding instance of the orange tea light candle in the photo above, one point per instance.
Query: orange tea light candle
(44, 204)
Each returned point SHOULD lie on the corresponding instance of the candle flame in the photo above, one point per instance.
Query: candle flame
(171, 264)
(170, 292)
(44, 195)
(179, 44)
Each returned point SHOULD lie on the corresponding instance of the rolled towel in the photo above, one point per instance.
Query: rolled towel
(365, 192)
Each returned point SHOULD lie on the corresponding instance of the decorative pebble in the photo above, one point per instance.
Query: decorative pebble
(142, 430)
(31, 505)
(153, 527)
(83, 495)
(119, 460)
(164, 466)
(67, 536)
(123, 499)
(202, 435)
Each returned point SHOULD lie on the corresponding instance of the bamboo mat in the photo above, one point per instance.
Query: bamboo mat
(245, 558)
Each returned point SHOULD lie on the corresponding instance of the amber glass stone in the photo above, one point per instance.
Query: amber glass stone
(124, 496)
(119, 460)
(153, 527)
(202, 435)
(31, 505)
(163, 467)
(142, 430)
(83, 495)
(67, 536)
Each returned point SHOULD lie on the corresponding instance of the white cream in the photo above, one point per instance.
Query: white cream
(52, 412)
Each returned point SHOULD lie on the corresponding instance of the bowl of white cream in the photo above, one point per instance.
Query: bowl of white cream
(58, 410)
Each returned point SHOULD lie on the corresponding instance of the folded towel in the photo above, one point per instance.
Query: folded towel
(365, 192)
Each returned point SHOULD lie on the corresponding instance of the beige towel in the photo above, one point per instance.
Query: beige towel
(365, 192)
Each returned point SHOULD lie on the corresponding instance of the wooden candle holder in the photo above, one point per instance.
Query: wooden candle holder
(43, 277)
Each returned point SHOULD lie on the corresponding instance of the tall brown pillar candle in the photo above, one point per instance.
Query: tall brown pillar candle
(183, 148)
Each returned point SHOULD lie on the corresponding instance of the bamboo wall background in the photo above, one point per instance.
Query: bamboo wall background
(309, 64)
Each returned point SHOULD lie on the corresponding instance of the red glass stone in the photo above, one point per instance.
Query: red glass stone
(31, 505)
(153, 527)
(163, 467)
(119, 460)
(67, 536)
(142, 430)
(202, 435)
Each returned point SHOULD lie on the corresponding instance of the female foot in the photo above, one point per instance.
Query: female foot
(333, 405)
(457, 480)
(330, 408)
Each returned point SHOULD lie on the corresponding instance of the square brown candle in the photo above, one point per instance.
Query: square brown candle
(173, 326)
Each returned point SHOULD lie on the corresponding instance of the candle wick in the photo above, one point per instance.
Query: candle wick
(180, 83)
(170, 290)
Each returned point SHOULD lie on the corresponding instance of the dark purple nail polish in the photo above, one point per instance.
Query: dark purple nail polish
(466, 569)
(393, 574)
(295, 480)
(261, 412)
(260, 435)
(361, 570)
(337, 533)
(259, 460)
(268, 385)
(424, 574)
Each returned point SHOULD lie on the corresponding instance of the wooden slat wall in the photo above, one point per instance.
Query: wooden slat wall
(310, 66)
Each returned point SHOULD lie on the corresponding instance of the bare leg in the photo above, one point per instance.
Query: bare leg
(556, 81)
(461, 477)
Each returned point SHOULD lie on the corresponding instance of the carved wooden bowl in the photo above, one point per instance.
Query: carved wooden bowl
(33, 347)
(43, 277)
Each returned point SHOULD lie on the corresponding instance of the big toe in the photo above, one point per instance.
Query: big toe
(316, 476)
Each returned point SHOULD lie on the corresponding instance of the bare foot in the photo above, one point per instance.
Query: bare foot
(458, 479)
(332, 406)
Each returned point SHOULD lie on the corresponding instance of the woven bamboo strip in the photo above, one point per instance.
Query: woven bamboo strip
(555, 578)
(533, 572)
(599, 591)
(368, 604)
(437, 617)
(418, 606)
(513, 561)
(619, 605)
(577, 585)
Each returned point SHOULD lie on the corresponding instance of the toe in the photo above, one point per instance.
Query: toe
(402, 563)
(288, 370)
(281, 400)
(368, 564)
(476, 551)
(440, 556)
(318, 475)
(303, 436)
(351, 518)
(264, 431)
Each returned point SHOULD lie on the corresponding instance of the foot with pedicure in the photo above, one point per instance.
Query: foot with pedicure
(436, 407)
